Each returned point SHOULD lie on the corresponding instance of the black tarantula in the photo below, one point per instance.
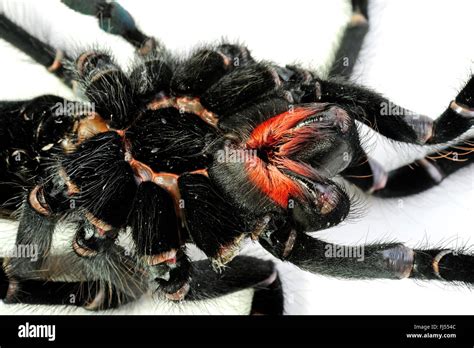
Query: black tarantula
(210, 150)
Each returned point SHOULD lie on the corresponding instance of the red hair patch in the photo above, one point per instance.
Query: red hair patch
(278, 138)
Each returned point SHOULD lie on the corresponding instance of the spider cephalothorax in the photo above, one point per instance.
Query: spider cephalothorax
(211, 150)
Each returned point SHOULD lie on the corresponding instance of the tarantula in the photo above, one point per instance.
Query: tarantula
(210, 150)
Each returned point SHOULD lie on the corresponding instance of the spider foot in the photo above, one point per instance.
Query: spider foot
(169, 274)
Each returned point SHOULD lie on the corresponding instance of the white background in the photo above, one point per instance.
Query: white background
(418, 53)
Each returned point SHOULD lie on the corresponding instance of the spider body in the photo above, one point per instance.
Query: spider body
(209, 150)
(173, 154)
